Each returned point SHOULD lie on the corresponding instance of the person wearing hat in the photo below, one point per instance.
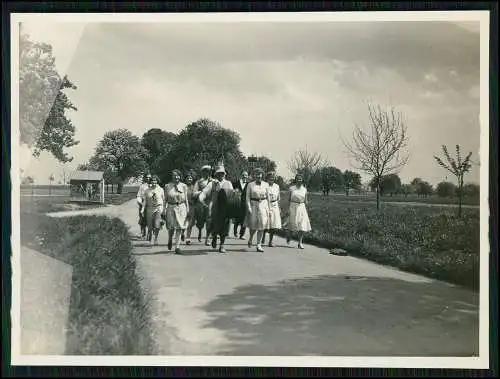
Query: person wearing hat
(257, 202)
(177, 209)
(215, 226)
(273, 193)
(241, 186)
(153, 206)
(200, 211)
(146, 179)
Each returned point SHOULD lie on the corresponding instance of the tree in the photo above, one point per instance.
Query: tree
(305, 163)
(405, 189)
(43, 123)
(120, 155)
(471, 190)
(332, 178)
(446, 189)
(352, 180)
(265, 163)
(203, 142)
(424, 189)
(280, 181)
(389, 184)
(458, 167)
(382, 149)
(157, 143)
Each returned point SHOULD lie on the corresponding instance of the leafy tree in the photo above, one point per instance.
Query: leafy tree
(389, 184)
(44, 125)
(405, 189)
(281, 182)
(458, 167)
(203, 142)
(332, 178)
(157, 143)
(352, 180)
(120, 155)
(424, 189)
(264, 163)
(382, 149)
(471, 190)
(446, 189)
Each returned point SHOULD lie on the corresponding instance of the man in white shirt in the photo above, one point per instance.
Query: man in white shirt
(146, 179)
(210, 192)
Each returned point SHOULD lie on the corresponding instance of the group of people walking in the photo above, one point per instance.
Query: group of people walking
(184, 204)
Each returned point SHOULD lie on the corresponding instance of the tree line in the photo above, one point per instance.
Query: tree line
(380, 149)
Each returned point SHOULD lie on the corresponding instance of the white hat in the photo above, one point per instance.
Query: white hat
(220, 168)
(206, 167)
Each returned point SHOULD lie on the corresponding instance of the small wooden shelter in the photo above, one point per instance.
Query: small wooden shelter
(87, 186)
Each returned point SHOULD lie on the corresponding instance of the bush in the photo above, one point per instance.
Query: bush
(430, 241)
(109, 314)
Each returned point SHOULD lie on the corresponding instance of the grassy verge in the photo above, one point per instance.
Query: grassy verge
(108, 311)
(430, 241)
(109, 314)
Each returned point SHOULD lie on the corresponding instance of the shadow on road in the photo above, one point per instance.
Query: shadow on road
(339, 315)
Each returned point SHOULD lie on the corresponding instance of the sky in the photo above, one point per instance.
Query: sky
(281, 86)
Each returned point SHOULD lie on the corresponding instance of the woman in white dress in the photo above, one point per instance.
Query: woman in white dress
(190, 220)
(152, 208)
(298, 219)
(257, 203)
(176, 210)
(273, 194)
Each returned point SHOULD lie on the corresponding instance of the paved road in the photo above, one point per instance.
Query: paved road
(290, 302)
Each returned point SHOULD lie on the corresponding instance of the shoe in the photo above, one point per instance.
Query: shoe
(249, 243)
(271, 244)
(260, 249)
(222, 250)
(169, 245)
(242, 237)
(301, 246)
(207, 243)
(188, 242)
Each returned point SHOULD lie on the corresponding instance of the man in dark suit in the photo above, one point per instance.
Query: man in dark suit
(241, 186)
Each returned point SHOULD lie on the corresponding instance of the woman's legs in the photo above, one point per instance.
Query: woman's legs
(263, 241)
(260, 234)
(301, 236)
(250, 238)
(271, 235)
(178, 233)
(170, 236)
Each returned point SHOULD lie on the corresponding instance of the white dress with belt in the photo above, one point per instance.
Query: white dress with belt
(298, 219)
(274, 205)
(258, 202)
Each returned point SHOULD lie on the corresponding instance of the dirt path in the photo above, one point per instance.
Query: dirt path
(290, 302)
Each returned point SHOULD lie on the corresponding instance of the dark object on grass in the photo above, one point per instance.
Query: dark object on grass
(338, 251)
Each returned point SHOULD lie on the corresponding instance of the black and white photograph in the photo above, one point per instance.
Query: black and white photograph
(250, 189)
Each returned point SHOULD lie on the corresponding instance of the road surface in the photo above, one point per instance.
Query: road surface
(287, 301)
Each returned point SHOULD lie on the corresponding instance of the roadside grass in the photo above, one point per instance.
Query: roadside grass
(109, 313)
(430, 241)
(433, 199)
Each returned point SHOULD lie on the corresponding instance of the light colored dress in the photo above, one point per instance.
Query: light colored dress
(257, 200)
(154, 199)
(273, 194)
(298, 219)
(177, 205)
(191, 201)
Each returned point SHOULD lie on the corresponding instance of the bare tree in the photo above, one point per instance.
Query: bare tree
(306, 163)
(457, 167)
(382, 149)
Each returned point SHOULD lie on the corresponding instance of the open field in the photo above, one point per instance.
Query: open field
(430, 241)
(108, 312)
(433, 199)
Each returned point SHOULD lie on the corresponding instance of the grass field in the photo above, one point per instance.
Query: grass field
(108, 312)
(430, 241)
